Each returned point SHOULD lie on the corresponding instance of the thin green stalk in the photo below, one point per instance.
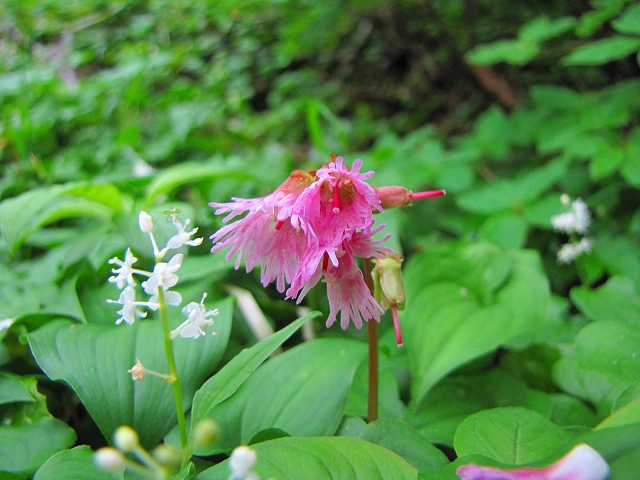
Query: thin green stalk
(175, 380)
(372, 333)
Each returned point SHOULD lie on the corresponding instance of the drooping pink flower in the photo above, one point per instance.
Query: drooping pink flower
(265, 235)
(581, 463)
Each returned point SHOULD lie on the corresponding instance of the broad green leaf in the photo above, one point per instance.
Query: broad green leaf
(13, 390)
(629, 21)
(630, 413)
(456, 397)
(615, 300)
(227, 381)
(184, 173)
(24, 448)
(604, 362)
(603, 51)
(512, 435)
(446, 324)
(510, 194)
(22, 215)
(517, 52)
(321, 458)
(76, 463)
(401, 438)
(541, 28)
(302, 391)
(507, 230)
(94, 360)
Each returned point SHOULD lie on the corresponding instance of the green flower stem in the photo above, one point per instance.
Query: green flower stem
(372, 333)
(175, 380)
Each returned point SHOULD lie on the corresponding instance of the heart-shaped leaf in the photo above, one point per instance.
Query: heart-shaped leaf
(512, 435)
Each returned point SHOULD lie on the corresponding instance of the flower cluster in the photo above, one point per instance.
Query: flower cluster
(581, 463)
(574, 222)
(312, 228)
(158, 283)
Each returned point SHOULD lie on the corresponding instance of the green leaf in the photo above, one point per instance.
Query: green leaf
(227, 381)
(517, 52)
(511, 435)
(615, 300)
(446, 324)
(22, 215)
(630, 413)
(25, 448)
(94, 360)
(602, 51)
(184, 173)
(13, 390)
(505, 229)
(302, 391)
(629, 21)
(541, 28)
(319, 458)
(77, 462)
(604, 362)
(401, 438)
(512, 194)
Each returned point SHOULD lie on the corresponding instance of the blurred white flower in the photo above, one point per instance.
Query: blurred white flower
(575, 221)
(241, 462)
(197, 319)
(142, 168)
(570, 251)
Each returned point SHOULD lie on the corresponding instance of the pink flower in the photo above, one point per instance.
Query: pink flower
(266, 234)
(581, 463)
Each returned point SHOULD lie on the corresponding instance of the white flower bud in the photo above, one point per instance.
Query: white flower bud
(242, 459)
(126, 439)
(146, 222)
(109, 459)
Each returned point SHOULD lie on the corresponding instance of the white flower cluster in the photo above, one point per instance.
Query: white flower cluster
(161, 279)
(575, 221)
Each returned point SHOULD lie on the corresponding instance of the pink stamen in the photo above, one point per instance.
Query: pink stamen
(396, 324)
(430, 193)
(336, 199)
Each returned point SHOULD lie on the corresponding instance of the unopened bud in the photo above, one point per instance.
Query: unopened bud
(387, 281)
(146, 222)
(126, 439)
(109, 459)
(166, 455)
(391, 197)
(242, 459)
(206, 433)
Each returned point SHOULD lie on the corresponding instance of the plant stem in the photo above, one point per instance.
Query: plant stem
(175, 381)
(372, 334)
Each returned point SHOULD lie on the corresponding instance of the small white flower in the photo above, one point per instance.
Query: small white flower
(577, 220)
(182, 237)
(146, 222)
(197, 319)
(130, 310)
(163, 275)
(570, 251)
(125, 272)
(142, 168)
(241, 462)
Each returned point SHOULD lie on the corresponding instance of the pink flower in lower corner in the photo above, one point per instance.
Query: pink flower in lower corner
(581, 463)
